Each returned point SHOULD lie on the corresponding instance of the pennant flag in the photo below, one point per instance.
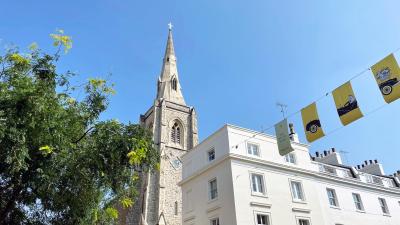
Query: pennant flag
(387, 75)
(311, 123)
(282, 137)
(346, 104)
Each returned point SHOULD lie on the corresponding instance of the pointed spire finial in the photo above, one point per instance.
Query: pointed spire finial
(170, 26)
(169, 87)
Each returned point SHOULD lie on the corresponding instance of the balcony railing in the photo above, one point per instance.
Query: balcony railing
(372, 179)
(333, 170)
(364, 177)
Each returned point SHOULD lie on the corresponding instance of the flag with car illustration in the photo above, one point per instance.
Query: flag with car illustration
(387, 75)
(346, 104)
(311, 123)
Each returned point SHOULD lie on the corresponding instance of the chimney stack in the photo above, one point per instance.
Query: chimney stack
(372, 167)
(293, 135)
(329, 157)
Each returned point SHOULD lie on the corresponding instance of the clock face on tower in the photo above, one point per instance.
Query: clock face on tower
(176, 163)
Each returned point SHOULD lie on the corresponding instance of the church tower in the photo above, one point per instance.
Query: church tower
(174, 127)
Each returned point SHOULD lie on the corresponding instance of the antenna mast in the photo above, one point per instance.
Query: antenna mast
(283, 108)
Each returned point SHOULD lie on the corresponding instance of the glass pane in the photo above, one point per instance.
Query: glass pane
(254, 183)
(260, 184)
(297, 193)
(262, 219)
(297, 188)
(304, 222)
(292, 158)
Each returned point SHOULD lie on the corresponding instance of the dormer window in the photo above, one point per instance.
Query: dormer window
(174, 84)
(176, 134)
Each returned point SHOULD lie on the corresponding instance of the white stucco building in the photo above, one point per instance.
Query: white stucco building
(237, 177)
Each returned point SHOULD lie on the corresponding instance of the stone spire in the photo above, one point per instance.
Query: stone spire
(169, 87)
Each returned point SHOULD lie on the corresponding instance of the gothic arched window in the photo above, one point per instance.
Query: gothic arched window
(176, 133)
(174, 84)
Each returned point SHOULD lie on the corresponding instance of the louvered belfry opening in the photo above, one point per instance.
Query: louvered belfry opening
(176, 133)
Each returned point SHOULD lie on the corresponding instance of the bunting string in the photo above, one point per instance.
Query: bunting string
(362, 73)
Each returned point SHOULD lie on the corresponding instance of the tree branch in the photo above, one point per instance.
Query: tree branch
(83, 136)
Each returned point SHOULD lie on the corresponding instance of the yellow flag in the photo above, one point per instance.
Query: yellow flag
(311, 123)
(346, 104)
(387, 75)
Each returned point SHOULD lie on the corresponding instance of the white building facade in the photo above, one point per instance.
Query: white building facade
(237, 177)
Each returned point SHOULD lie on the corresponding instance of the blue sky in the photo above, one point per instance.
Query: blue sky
(236, 59)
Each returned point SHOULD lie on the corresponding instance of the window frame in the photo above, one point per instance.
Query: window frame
(287, 156)
(385, 205)
(303, 195)
(208, 154)
(267, 214)
(213, 219)
(210, 198)
(189, 201)
(176, 131)
(248, 144)
(360, 202)
(176, 208)
(263, 183)
(174, 84)
(335, 198)
(298, 218)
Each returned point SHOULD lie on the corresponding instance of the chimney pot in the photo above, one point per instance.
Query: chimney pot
(333, 150)
(358, 166)
(317, 154)
(325, 153)
(366, 162)
(370, 161)
(363, 165)
(376, 161)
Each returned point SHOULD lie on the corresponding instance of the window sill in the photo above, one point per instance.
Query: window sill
(257, 194)
(299, 201)
(388, 215)
(212, 200)
(335, 207)
(360, 211)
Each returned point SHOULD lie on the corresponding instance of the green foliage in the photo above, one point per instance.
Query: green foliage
(46, 149)
(112, 213)
(61, 40)
(59, 164)
(126, 202)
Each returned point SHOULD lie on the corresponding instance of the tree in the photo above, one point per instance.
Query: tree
(59, 164)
